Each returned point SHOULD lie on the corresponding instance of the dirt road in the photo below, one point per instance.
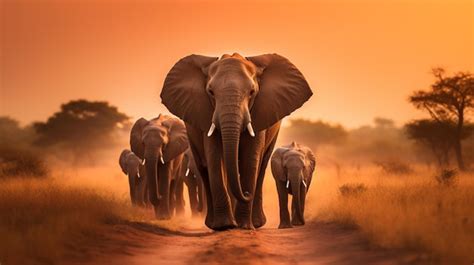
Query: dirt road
(315, 243)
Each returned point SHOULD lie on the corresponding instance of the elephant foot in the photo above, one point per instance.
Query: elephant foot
(246, 226)
(223, 223)
(259, 221)
(160, 215)
(284, 226)
(297, 222)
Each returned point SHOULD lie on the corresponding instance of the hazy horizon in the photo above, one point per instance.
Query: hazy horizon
(361, 58)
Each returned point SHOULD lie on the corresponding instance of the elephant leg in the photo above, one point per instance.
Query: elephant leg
(223, 217)
(131, 185)
(201, 196)
(163, 209)
(193, 200)
(172, 195)
(210, 208)
(250, 152)
(259, 218)
(295, 220)
(140, 192)
(283, 203)
(179, 200)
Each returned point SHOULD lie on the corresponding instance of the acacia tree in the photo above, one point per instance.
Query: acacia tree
(82, 126)
(434, 135)
(449, 99)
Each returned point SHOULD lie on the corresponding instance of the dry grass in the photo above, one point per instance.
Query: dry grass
(412, 211)
(44, 220)
(40, 218)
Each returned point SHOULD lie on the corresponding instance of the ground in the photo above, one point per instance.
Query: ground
(315, 243)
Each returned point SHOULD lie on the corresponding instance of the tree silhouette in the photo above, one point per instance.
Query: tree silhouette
(449, 100)
(436, 136)
(81, 126)
(314, 133)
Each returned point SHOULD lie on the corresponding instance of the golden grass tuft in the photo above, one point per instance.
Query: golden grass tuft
(39, 218)
(408, 212)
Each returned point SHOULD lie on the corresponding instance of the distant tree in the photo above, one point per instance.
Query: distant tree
(81, 126)
(314, 133)
(449, 100)
(12, 134)
(384, 122)
(439, 137)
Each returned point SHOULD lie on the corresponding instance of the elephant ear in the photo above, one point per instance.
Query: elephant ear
(178, 139)
(283, 89)
(184, 91)
(136, 143)
(278, 170)
(123, 160)
(310, 162)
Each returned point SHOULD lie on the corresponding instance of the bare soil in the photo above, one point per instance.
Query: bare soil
(314, 243)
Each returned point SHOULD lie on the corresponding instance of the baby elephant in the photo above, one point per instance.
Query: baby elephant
(132, 165)
(292, 168)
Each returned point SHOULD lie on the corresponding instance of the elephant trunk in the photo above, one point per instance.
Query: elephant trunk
(151, 166)
(296, 191)
(230, 127)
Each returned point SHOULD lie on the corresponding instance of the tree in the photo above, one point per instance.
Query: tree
(314, 133)
(449, 100)
(81, 126)
(436, 136)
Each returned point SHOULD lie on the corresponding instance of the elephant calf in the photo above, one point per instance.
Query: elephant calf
(132, 165)
(193, 181)
(292, 167)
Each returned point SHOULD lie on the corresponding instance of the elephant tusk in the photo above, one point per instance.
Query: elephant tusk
(304, 183)
(143, 162)
(250, 129)
(162, 161)
(211, 130)
(287, 184)
(187, 172)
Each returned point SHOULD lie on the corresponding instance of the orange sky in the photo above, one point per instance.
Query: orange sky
(362, 58)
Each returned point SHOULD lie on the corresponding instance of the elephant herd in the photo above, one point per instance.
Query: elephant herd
(229, 113)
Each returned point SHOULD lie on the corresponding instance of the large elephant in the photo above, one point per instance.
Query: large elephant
(132, 166)
(292, 168)
(193, 181)
(232, 108)
(161, 142)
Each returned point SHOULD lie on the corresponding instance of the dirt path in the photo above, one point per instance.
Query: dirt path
(315, 243)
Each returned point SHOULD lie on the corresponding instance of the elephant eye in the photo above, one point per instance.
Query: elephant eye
(211, 92)
(252, 92)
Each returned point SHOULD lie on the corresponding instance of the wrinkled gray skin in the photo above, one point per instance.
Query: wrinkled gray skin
(131, 165)
(232, 108)
(193, 182)
(161, 142)
(292, 168)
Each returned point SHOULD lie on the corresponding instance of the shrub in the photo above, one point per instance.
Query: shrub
(21, 163)
(354, 189)
(447, 177)
(394, 167)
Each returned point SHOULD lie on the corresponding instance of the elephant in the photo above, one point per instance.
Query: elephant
(292, 168)
(161, 143)
(193, 181)
(132, 166)
(232, 107)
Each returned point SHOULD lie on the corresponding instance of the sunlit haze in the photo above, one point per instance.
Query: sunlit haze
(362, 58)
